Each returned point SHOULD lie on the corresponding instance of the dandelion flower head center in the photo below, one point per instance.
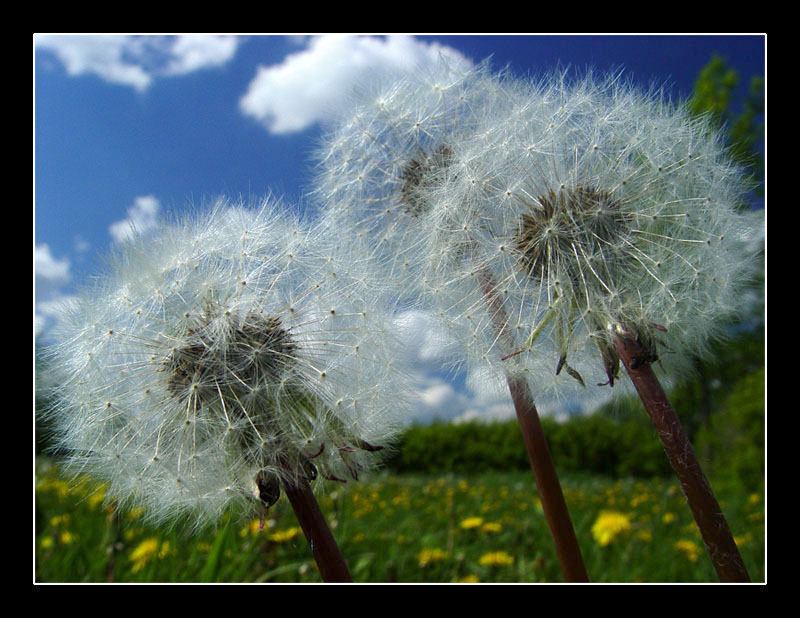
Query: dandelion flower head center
(419, 174)
(569, 226)
(225, 356)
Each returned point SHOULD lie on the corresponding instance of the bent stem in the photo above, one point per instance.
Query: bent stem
(544, 472)
(695, 486)
(329, 559)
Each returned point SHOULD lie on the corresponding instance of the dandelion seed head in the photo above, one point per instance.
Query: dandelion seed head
(543, 218)
(215, 360)
(379, 166)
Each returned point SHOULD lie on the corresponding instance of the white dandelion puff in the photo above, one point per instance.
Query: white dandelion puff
(591, 208)
(550, 223)
(602, 224)
(383, 169)
(221, 357)
(379, 161)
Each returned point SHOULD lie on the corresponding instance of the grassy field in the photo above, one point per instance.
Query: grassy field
(488, 528)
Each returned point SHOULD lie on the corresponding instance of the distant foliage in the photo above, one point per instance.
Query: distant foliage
(735, 437)
(714, 96)
(585, 444)
(617, 440)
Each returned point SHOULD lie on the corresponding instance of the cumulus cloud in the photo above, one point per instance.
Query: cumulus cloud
(441, 393)
(309, 85)
(136, 60)
(50, 271)
(142, 217)
(51, 274)
(477, 393)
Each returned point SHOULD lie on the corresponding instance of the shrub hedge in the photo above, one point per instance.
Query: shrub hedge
(618, 442)
(593, 443)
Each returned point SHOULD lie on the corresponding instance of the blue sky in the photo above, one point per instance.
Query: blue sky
(130, 128)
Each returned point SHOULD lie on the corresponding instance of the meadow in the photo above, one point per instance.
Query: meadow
(406, 528)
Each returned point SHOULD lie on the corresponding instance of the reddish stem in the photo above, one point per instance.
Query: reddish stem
(553, 503)
(331, 563)
(704, 506)
(544, 472)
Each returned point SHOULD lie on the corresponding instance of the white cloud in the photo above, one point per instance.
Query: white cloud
(478, 393)
(135, 61)
(422, 328)
(192, 52)
(440, 393)
(142, 217)
(309, 85)
(437, 394)
(49, 270)
(50, 276)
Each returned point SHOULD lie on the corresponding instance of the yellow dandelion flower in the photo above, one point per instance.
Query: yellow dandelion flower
(491, 526)
(742, 540)
(46, 542)
(496, 558)
(143, 552)
(97, 498)
(689, 548)
(59, 487)
(609, 525)
(66, 537)
(469, 579)
(471, 522)
(644, 535)
(668, 518)
(251, 528)
(130, 533)
(639, 499)
(401, 500)
(426, 556)
(58, 520)
(281, 536)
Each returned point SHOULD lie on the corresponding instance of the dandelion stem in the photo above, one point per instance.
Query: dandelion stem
(553, 503)
(544, 472)
(695, 486)
(327, 555)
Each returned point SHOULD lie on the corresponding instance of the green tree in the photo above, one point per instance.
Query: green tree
(735, 438)
(715, 94)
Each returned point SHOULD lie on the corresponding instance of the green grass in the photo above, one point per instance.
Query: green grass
(403, 528)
